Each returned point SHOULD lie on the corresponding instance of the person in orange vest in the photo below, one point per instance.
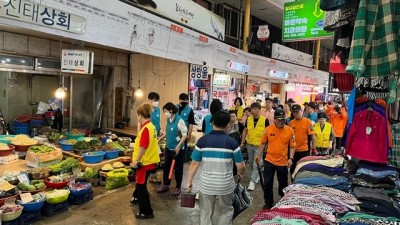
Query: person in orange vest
(323, 135)
(338, 119)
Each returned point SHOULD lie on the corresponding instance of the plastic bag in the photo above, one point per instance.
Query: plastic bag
(117, 178)
(242, 200)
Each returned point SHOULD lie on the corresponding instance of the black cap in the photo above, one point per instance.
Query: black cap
(296, 108)
(290, 100)
(312, 105)
(279, 114)
(305, 103)
(321, 115)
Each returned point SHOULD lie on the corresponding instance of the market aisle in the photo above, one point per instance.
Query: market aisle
(114, 208)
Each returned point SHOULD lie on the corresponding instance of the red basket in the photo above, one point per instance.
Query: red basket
(7, 152)
(188, 199)
(55, 185)
(23, 118)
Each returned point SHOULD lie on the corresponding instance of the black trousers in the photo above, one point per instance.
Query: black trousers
(296, 158)
(179, 161)
(142, 194)
(269, 173)
(338, 141)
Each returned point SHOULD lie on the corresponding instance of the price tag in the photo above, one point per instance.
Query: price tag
(26, 197)
(368, 130)
(23, 178)
(5, 186)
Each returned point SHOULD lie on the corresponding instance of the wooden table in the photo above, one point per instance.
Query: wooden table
(128, 131)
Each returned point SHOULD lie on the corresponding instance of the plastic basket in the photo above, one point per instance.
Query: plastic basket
(188, 199)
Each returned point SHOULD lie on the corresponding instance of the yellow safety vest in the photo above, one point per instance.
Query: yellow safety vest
(254, 134)
(151, 155)
(322, 137)
(239, 111)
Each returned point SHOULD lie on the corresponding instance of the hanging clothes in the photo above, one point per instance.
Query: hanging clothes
(374, 48)
(368, 137)
(395, 153)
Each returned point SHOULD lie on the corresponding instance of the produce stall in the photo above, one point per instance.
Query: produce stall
(54, 171)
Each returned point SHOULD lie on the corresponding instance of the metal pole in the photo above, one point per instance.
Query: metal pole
(71, 96)
(317, 50)
(246, 30)
(241, 23)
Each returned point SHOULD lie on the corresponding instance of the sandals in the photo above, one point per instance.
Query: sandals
(142, 216)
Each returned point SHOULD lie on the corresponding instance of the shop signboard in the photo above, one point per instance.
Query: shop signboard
(290, 55)
(303, 20)
(237, 66)
(222, 80)
(77, 61)
(188, 13)
(278, 74)
(31, 12)
(221, 93)
(198, 72)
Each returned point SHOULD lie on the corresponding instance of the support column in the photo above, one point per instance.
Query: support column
(317, 50)
(246, 25)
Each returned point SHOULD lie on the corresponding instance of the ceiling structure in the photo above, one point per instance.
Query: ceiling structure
(270, 11)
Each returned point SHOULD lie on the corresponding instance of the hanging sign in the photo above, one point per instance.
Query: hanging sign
(263, 33)
(222, 80)
(303, 20)
(31, 12)
(221, 93)
(237, 66)
(198, 72)
(77, 61)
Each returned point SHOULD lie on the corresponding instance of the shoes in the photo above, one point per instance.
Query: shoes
(134, 201)
(176, 192)
(251, 186)
(142, 216)
(162, 189)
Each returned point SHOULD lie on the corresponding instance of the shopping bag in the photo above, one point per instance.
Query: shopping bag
(242, 200)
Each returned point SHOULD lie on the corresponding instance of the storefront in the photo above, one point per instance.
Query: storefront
(262, 88)
(301, 92)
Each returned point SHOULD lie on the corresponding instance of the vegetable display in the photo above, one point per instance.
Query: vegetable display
(10, 208)
(41, 149)
(35, 185)
(75, 131)
(61, 178)
(81, 145)
(4, 147)
(64, 166)
(79, 186)
(22, 139)
(70, 142)
(56, 135)
(56, 193)
(95, 144)
(116, 145)
(89, 173)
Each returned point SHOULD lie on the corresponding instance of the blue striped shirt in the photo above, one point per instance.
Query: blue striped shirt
(216, 152)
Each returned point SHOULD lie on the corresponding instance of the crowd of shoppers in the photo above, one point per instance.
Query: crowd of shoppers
(275, 135)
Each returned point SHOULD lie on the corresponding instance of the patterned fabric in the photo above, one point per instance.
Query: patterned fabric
(340, 17)
(374, 48)
(352, 217)
(282, 221)
(395, 153)
(288, 214)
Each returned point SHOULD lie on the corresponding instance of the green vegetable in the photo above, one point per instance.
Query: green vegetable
(38, 149)
(56, 135)
(70, 142)
(35, 182)
(40, 185)
(95, 144)
(31, 187)
(66, 165)
(89, 173)
(22, 187)
(116, 145)
(81, 145)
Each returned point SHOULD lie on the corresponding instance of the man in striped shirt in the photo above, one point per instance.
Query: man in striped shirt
(216, 152)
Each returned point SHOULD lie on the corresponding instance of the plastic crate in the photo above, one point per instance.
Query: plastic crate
(29, 218)
(73, 200)
(51, 210)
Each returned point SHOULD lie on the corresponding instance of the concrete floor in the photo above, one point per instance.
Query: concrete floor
(113, 207)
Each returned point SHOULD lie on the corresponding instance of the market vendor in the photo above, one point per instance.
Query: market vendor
(144, 158)
(155, 116)
(175, 133)
(238, 107)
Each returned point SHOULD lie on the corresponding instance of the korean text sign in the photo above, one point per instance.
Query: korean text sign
(77, 61)
(31, 12)
(303, 20)
(198, 72)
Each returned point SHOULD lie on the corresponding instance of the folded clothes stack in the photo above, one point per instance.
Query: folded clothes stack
(377, 176)
(355, 218)
(322, 170)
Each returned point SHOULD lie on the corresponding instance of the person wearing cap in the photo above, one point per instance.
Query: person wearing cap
(323, 135)
(338, 119)
(275, 103)
(253, 130)
(303, 128)
(278, 138)
(305, 112)
(310, 108)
